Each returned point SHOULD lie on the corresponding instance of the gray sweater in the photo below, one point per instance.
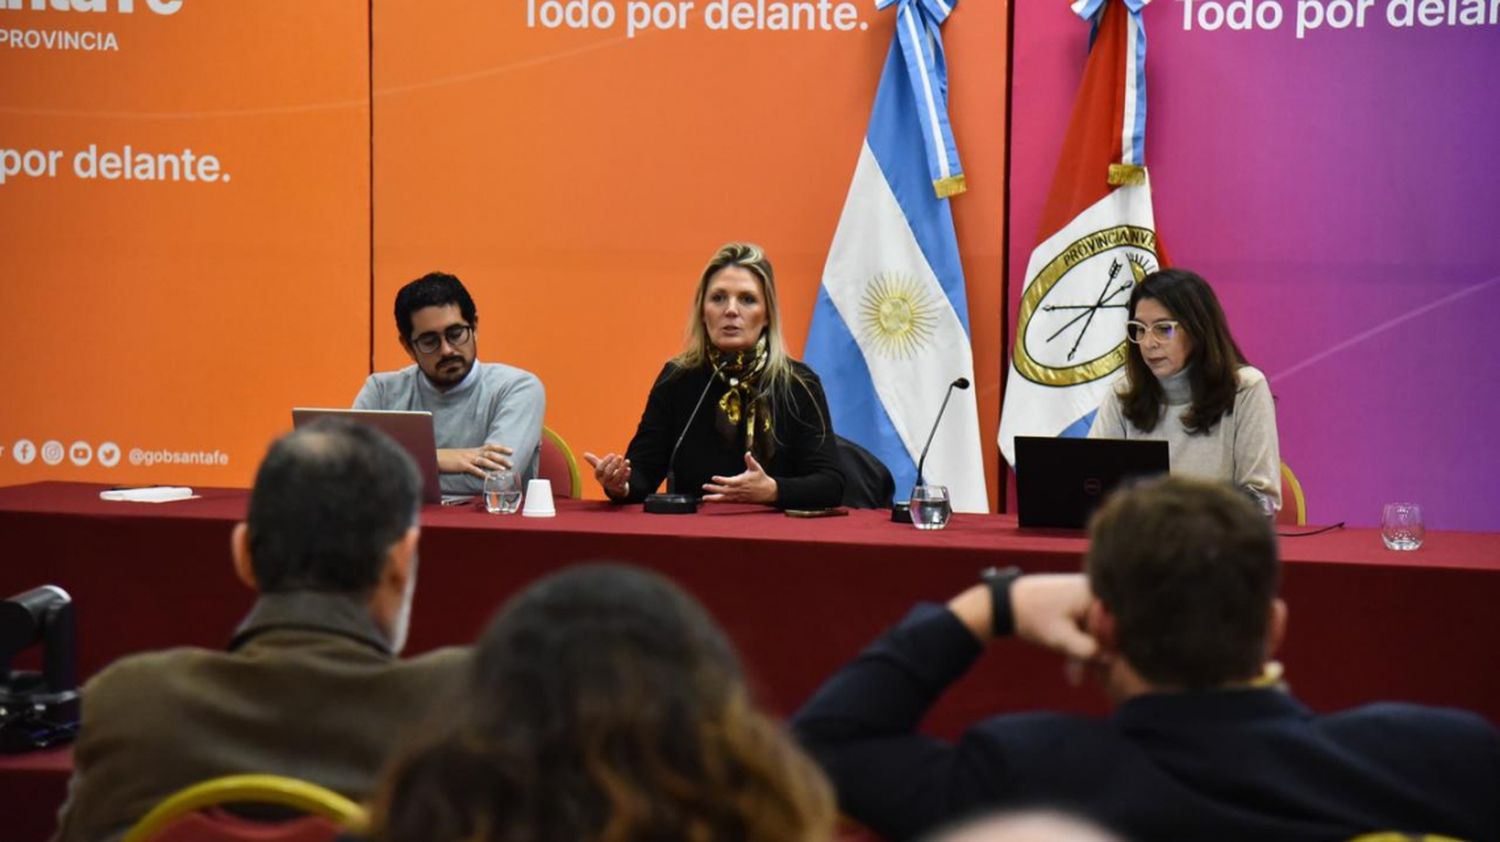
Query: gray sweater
(494, 404)
(1242, 448)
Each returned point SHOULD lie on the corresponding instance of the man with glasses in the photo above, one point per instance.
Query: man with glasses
(485, 416)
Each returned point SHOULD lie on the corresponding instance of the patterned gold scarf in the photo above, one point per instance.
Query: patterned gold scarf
(744, 407)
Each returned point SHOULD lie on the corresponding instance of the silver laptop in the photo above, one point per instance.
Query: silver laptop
(411, 430)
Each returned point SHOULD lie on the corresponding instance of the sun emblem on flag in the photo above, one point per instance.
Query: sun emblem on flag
(897, 316)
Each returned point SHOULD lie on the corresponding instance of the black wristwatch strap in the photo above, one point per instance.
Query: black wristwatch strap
(999, 580)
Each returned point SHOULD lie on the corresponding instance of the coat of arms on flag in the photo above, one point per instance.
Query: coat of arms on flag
(1098, 238)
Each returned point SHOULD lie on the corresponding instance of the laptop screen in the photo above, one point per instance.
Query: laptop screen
(411, 430)
(1060, 481)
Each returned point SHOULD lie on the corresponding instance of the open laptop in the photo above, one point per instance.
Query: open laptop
(1060, 481)
(411, 430)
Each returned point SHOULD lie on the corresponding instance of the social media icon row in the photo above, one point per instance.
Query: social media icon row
(80, 453)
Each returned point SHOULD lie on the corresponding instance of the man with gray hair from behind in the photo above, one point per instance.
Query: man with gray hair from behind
(310, 685)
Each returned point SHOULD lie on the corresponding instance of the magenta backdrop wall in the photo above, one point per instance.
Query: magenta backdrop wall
(1342, 193)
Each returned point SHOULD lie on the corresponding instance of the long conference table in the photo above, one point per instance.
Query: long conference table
(797, 596)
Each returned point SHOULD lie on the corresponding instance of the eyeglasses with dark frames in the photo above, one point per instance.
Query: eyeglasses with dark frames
(457, 336)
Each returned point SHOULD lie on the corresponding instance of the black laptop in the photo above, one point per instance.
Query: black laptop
(1060, 481)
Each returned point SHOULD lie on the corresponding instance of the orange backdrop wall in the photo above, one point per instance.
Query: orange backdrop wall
(159, 329)
(575, 178)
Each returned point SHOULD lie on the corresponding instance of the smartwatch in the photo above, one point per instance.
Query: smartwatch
(999, 580)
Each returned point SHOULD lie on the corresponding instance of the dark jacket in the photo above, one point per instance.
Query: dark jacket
(1234, 764)
(805, 464)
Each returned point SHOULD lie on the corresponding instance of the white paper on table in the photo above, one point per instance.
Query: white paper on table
(151, 494)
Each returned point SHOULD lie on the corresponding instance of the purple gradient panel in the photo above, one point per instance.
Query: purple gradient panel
(1341, 193)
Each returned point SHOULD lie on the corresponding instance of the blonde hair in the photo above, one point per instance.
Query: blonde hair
(779, 374)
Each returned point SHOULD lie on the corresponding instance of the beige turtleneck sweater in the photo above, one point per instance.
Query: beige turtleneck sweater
(1242, 448)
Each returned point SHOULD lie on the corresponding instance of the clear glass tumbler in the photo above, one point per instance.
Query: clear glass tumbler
(502, 492)
(1401, 526)
(930, 507)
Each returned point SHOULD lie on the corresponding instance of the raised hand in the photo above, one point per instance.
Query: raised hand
(612, 471)
(752, 486)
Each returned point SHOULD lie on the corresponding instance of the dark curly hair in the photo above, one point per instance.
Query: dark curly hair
(604, 705)
(1215, 358)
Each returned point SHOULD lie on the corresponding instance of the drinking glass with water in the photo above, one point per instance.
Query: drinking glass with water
(1401, 526)
(502, 492)
(930, 507)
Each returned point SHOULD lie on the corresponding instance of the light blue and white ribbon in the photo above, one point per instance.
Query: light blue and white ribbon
(919, 31)
(1133, 120)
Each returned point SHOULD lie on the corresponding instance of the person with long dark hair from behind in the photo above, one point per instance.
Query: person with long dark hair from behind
(604, 705)
(1187, 383)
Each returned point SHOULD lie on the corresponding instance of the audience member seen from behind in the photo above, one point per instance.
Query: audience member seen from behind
(762, 434)
(485, 416)
(604, 705)
(1187, 383)
(1179, 615)
(310, 685)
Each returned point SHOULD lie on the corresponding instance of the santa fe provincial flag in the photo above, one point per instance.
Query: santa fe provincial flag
(1098, 238)
(890, 330)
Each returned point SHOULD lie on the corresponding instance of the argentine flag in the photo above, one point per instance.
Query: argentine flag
(890, 330)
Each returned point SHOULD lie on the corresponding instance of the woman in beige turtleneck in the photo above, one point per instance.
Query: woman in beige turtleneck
(1187, 383)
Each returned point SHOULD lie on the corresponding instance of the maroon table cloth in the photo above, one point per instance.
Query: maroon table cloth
(798, 596)
(32, 786)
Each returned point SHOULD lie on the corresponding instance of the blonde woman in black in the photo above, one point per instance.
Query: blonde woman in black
(761, 432)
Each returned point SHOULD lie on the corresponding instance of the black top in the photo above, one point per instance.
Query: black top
(805, 464)
(1222, 765)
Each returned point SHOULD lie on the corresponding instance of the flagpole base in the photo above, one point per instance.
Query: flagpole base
(901, 512)
(671, 504)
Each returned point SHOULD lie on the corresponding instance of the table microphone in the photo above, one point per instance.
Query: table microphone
(901, 512)
(673, 503)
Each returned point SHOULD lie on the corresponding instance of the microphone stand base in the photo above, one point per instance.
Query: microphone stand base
(901, 512)
(671, 504)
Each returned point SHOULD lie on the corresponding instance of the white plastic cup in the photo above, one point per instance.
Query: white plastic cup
(539, 499)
